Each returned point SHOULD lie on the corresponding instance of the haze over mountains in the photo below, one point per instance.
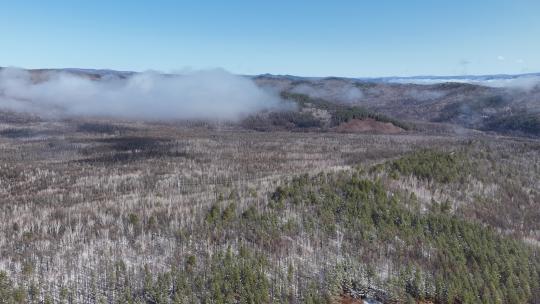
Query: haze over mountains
(508, 104)
(502, 103)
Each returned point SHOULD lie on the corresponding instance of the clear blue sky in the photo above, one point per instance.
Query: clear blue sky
(312, 38)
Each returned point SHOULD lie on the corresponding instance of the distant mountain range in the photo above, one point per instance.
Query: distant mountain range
(462, 77)
(507, 104)
(501, 103)
(386, 79)
(428, 79)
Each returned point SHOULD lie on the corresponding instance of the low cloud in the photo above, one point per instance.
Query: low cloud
(207, 94)
(526, 83)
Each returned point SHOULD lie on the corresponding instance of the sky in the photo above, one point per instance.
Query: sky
(306, 38)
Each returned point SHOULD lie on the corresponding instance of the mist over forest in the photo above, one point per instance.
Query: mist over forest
(257, 152)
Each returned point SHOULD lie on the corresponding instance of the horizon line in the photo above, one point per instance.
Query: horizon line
(284, 75)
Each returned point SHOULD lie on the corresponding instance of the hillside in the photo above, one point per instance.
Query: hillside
(472, 106)
(504, 104)
(341, 196)
(101, 211)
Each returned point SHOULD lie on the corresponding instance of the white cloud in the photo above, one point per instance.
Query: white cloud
(523, 82)
(207, 94)
(500, 58)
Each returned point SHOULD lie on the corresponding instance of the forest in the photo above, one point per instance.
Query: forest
(121, 212)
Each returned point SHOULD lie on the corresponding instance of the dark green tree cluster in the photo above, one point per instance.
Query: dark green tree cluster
(441, 258)
(226, 277)
(286, 120)
(346, 113)
(525, 123)
(9, 294)
(431, 165)
(341, 113)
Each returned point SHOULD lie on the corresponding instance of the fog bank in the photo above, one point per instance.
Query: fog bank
(206, 94)
(526, 83)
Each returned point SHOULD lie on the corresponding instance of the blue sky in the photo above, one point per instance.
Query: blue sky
(310, 38)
